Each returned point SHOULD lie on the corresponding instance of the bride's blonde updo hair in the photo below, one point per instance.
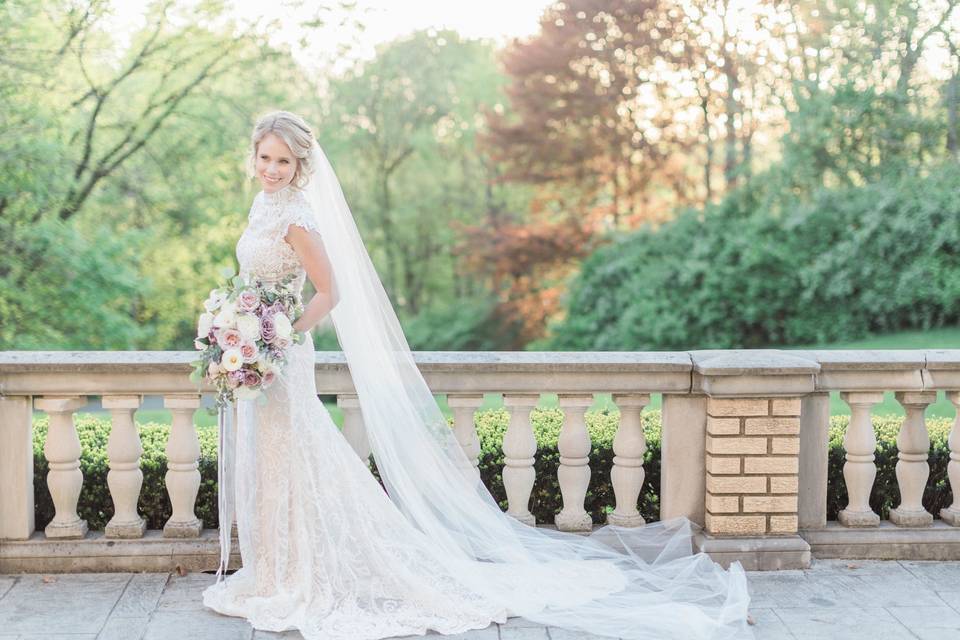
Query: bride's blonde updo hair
(295, 132)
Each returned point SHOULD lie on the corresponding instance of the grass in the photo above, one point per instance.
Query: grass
(944, 338)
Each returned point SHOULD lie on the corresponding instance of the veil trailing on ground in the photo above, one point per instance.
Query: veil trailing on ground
(640, 582)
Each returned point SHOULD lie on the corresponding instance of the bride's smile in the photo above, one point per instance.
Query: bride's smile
(275, 163)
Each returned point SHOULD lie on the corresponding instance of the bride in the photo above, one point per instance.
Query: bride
(327, 552)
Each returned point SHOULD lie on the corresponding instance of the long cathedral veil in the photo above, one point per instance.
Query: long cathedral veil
(643, 582)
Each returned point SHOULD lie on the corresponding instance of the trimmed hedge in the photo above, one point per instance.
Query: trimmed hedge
(96, 506)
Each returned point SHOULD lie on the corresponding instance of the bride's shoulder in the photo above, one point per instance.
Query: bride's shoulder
(300, 212)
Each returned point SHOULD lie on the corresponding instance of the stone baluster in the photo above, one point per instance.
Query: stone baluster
(353, 429)
(859, 470)
(951, 514)
(183, 474)
(629, 445)
(464, 406)
(64, 480)
(519, 453)
(125, 478)
(573, 473)
(913, 445)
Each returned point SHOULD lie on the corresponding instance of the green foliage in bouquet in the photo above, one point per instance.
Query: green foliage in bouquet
(96, 507)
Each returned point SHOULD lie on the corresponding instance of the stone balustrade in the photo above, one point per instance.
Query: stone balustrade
(743, 452)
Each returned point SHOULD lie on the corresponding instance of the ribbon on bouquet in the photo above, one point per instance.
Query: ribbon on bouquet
(226, 499)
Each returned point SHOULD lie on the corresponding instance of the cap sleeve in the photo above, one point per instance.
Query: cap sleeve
(301, 215)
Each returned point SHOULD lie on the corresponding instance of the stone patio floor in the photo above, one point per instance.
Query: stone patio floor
(835, 600)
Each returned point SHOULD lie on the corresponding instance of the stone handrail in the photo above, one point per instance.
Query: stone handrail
(744, 447)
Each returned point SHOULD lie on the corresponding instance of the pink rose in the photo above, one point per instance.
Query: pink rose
(268, 330)
(268, 377)
(229, 338)
(281, 343)
(249, 352)
(251, 378)
(248, 301)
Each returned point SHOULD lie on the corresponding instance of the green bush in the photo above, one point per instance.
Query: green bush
(96, 507)
(762, 268)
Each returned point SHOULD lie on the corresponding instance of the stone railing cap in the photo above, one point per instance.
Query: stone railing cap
(943, 359)
(737, 362)
(866, 359)
(488, 361)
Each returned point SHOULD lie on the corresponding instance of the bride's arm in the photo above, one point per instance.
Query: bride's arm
(313, 257)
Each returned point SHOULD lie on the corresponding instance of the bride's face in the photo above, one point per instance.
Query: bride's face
(275, 163)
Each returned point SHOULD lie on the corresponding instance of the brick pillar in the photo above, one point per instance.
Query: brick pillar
(752, 454)
(752, 462)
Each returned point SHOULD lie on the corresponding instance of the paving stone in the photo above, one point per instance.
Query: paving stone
(124, 628)
(273, 635)
(6, 583)
(843, 623)
(58, 636)
(769, 626)
(489, 633)
(202, 624)
(141, 596)
(519, 622)
(556, 633)
(64, 604)
(523, 633)
(929, 622)
(951, 598)
(184, 593)
(939, 576)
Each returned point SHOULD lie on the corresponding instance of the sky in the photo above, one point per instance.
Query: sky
(385, 20)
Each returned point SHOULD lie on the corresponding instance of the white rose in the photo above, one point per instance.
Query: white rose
(214, 300)
(282, 324)
(204, 325)
(249, 326)
(231, 360)
(226, 317)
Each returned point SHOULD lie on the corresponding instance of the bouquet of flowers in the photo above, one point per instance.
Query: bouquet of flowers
(244, 334)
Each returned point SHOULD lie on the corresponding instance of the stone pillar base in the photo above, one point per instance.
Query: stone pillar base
(66, 530)
(625, 521)
(911, 518)
(858, 518)
(756, 553)
(951, 516)
(574, 522)
(190, 529)
(132, 529)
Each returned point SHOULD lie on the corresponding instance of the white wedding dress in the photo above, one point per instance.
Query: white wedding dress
(327, 552)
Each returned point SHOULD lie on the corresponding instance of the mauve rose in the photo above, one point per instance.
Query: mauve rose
(277, 307)
(268, 331)
(212, 336)
(264, 309)
(230, 338)
(235, 378)
(268, 377)
(251, 378)
(248, 301)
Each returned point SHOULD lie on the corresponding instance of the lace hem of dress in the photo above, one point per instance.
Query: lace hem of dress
(405, 621)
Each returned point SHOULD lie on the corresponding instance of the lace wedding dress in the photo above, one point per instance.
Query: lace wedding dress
(327, 552)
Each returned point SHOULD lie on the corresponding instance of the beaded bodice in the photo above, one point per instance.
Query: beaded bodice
(262, 251)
